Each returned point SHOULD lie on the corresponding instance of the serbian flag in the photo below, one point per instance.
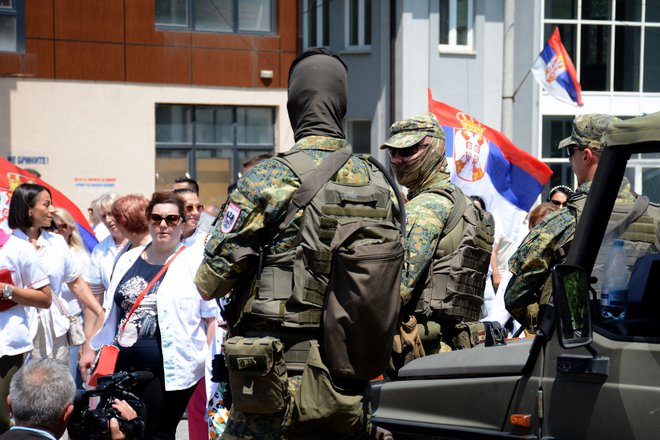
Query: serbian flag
(11, 176)
(484, 162)
(554, 70)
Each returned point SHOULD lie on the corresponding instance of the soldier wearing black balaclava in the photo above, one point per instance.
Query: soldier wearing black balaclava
(250, 217)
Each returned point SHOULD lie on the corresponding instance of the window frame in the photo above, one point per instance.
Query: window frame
(361, 22)
(18, 12)
(190, 25)
(322, 8)
(452, 46)
(192, 146)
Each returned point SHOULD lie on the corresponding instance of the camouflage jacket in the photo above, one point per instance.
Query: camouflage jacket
(426, 215)
(540, 251)
(254, 209)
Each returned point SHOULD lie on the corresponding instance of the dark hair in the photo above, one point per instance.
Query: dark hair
(562, 189)
(192, 182)
(480, 201)
(184, 191)
(129, 210)
(23, 198)
(315, 51)
(159, 198)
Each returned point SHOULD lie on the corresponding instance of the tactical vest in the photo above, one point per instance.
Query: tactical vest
(640, 238)
(290, 290)
(456, 278)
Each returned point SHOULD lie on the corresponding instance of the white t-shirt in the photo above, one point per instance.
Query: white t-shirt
(20, 257)
(103, 258)
(72, 303)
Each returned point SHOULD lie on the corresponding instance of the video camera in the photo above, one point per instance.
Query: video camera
(91, 424)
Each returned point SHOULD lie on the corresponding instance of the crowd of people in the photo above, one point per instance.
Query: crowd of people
(165, 275)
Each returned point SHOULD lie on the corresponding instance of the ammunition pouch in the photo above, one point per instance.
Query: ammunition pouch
(257, 374)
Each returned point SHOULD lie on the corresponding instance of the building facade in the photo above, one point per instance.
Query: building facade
(126, 96)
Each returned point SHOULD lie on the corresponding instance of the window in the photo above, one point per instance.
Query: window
(456, 25)
(12, 25)
(209, 144)
(619, 42)
(359, 136)
(316, 26)
(244, 16)
(358, 24)
(643, 170)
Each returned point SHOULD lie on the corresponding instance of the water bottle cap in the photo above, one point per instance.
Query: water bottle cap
(618, 242)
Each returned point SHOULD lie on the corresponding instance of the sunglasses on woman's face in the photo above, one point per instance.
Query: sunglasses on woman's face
(191, 208)
(558, 203)
(171, 220)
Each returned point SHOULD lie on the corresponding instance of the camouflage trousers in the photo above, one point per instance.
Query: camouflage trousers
(283, 425)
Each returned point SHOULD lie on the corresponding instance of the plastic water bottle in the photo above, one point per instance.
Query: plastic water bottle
(614, 293)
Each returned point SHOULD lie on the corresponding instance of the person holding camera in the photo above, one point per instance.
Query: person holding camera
(41, 398)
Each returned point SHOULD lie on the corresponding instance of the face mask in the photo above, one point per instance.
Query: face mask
(414, 173)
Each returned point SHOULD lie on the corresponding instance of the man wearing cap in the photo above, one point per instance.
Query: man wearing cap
(547, 243)
(417, 155)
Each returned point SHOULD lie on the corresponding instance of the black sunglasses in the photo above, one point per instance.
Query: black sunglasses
(572, 150)
(558, 203)
(406, 152)
(171, 220)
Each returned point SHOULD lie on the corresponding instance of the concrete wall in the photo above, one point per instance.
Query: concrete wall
(93, 130)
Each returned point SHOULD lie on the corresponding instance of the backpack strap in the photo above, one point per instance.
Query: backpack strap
(397, 193)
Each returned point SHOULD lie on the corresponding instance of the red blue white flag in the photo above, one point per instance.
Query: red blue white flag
(554, 70)
(484, 162)
(11, 176)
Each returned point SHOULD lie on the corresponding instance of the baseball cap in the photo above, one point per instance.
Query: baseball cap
(406, 133)
(588, 132)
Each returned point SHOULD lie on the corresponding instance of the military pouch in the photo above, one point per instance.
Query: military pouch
(469, 334)
(320, 402)
(407, 342)
(362, 299)
(257, 374)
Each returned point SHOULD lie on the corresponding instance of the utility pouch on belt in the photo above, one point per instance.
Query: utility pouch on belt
(257, 374)
(320, 401)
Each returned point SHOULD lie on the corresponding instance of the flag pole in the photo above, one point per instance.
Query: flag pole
(513, 97)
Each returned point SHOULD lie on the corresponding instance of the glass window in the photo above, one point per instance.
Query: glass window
(596, 9)
(627, 50)
(456, 18)
(358, 24)
(568, 36)
(209, 144)
(651, 183)
(172, 12)
(595, 57)
(652, 60)
(627, 10)
(560, 8)
(249, 16)
(555, 129)
(12, 25)
(653, 10)
(316, 23)
(358, 135)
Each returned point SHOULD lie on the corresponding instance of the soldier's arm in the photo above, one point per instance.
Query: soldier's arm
(247, 218)
(532, 262)
(425, 217)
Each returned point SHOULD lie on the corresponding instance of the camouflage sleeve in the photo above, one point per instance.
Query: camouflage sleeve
(532, 262)
(426, 215)
(249, 216)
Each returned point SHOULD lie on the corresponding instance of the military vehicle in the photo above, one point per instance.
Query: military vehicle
(582, 376)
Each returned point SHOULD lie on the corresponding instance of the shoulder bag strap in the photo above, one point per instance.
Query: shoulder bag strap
(149, 286)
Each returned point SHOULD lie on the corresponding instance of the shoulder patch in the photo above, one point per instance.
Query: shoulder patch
(230, 218)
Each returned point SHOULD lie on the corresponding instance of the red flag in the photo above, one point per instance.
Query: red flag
(11, 176)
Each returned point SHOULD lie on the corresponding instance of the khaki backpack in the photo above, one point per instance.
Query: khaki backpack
(456, 278)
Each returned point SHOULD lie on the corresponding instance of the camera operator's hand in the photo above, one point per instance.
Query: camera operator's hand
(126, 412)
(86, 361)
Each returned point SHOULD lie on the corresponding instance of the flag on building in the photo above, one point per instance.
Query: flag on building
(11, 176)
(484, 162)
(554, 70)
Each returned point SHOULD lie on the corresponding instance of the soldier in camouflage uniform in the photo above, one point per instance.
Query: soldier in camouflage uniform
(417, 157)
(253, 211)
(545, 246)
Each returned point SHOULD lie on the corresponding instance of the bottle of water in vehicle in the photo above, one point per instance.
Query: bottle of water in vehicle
(614, 293)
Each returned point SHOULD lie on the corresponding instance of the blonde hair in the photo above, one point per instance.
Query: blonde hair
(75, 242)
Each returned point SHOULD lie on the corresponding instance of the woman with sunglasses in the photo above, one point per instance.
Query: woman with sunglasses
(559, 195)
(194, 209)
(31, 216)
(166, 332)
(65, 225)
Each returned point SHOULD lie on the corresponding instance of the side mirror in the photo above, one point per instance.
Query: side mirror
(570, 288)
